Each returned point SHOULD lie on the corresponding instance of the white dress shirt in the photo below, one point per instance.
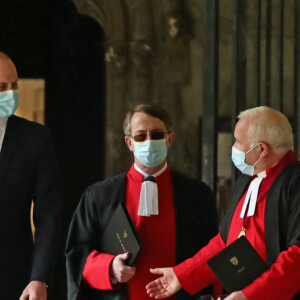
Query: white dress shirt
(3, 122)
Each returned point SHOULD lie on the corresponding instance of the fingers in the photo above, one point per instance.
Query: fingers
(24, 296)
(123, 256)
(126, 275)
(150, 285)
(119, 271)
(156, 289)
(158, 292)
(158, 271)
(154, 284)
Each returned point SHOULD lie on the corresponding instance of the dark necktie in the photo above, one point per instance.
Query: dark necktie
(150, 178)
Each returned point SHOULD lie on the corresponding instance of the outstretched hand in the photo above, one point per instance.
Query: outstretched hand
(164, 286)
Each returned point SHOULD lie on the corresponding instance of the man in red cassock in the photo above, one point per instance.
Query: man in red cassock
(174, 215)
(265, 207)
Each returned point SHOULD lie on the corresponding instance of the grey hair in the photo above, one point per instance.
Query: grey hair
(270, 126)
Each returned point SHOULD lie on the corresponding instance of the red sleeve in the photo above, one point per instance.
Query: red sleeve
(194, 273)
(281, 281)
(96, 271)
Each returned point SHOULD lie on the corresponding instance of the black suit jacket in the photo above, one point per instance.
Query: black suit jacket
(27, 172)
(195, 218)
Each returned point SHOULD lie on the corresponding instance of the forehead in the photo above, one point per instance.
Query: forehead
(143, 121)
(241, 130)
(8, 72)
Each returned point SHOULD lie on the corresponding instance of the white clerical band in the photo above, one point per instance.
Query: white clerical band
(148, 204)
(148, 199)
(251, 195)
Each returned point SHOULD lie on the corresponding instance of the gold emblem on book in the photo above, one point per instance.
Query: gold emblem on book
(234, 260)
(125, 235)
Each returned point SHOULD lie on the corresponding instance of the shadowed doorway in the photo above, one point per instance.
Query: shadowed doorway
(50, 40)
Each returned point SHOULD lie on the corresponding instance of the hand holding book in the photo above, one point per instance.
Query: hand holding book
(118, 270)
(120, 236)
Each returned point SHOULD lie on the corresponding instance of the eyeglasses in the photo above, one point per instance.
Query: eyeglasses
(154, 135)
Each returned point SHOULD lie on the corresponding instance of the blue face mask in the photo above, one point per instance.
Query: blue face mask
(150, 153)
(238, 158)
(9, 102)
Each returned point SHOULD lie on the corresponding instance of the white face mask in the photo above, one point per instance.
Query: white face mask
(9, 102)
(150, 153)
(238, 158)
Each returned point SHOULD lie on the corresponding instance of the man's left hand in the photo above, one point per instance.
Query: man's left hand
(35, 290)
(236, 296)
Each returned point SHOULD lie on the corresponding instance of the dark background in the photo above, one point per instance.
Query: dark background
(50, 40)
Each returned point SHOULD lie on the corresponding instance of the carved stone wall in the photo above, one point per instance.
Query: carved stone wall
(153, 49)
(155, 52)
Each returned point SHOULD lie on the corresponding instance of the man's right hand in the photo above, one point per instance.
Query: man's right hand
(119, 271)
(164, 286)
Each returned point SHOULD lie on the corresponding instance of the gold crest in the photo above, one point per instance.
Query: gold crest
(125, 234)
(234, 261)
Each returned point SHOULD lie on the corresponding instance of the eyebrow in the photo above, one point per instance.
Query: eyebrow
(15, 81)
(153, 130)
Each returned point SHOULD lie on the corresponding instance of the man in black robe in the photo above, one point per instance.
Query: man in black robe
(184, 218)
(265, 207)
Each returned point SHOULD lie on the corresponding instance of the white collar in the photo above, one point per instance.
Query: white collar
(154, 175)
(262, 174)
(3, 122)
(252, 194)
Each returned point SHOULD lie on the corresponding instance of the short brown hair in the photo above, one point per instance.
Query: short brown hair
(151, 110)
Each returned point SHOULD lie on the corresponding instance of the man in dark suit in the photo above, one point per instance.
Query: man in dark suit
(172, 213)
(27, 173)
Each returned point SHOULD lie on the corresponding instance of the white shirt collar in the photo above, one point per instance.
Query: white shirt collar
(3, 123)
(262, 174)
(154, 175)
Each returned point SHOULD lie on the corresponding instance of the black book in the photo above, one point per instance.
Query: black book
(120, 236)
(237, 265)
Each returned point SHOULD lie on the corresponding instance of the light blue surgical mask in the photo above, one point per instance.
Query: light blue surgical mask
(150, 153)
(238, 158)
(9, 102)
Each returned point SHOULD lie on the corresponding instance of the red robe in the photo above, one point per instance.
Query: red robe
(281, 281)
(157, 235)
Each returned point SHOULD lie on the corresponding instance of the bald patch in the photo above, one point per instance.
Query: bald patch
(4, 56)
(8, 74)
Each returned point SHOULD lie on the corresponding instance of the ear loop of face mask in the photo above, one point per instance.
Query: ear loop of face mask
(250, 151)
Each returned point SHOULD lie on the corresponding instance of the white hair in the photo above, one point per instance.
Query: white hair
(270, 126)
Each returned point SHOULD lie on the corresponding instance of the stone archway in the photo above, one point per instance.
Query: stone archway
(147, 59)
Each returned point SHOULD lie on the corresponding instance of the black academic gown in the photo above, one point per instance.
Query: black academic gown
(27, 172)
(195, 218)
(282, 212)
